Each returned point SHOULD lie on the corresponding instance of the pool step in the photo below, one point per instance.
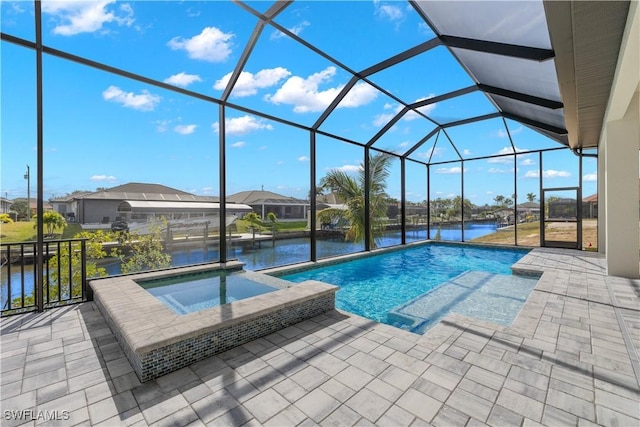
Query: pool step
(489, 296)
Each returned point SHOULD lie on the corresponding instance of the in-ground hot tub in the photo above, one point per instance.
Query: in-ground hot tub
(158, 340)
(197, 291)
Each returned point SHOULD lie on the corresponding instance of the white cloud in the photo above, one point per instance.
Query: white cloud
(360, 94)
(15, 9)
(238, 144)
(489, 192)
(409, 115)
(498, 170)
(455, 169)
(590, 177)
(516, 130)
(75, 17)
(505, 150)
(466, 152)
(210, 45)
(426, 110)
(183, 79)
(550, 174)
(193, 13)
(303, 159)
(527, 162)
(297, 29)
(185, 129)
(388, 11)
(305, 95)
(162, 125)
(242, 125)
(382, 119)
(427, 153)
(144, 101)
(403, 144)
(502, 152)
(108, 178)
(502, 132)
(555, 174)
(249, 83)
(349, 168)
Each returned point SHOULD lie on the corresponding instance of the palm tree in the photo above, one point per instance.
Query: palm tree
(456, 207)
(351, 190)
(273, 218)
(50, 221)
(531, 197)
(254, 219)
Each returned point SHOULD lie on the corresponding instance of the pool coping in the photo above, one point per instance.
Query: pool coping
(307, 265)
(145, 326)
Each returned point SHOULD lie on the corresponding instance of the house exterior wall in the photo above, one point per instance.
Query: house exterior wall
(5, 205)
(98, 211)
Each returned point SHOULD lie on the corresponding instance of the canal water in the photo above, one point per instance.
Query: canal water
(284, 252)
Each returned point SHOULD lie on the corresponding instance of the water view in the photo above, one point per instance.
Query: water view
(267, 255)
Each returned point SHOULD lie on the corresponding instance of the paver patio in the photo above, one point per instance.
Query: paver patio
(570, 358)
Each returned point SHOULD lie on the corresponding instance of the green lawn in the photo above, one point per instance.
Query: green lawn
(23, 231)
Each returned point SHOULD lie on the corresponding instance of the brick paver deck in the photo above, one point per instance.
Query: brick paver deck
(570, 358)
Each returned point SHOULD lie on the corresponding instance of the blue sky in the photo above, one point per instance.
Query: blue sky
(102, 130)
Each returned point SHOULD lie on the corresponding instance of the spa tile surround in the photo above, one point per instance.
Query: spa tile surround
(157, 340)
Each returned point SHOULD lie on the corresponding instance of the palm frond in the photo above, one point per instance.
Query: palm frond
(344, 186)
(352, 192)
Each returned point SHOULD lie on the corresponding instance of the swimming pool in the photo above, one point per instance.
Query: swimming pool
(394, 287)
(190, 293)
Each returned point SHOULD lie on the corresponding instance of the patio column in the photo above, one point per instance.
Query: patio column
(622, 193)
(621, 144)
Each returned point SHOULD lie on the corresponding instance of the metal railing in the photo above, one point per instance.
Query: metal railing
(64, 275)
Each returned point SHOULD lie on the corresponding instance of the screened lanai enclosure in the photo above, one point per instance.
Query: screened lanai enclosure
(388, 122)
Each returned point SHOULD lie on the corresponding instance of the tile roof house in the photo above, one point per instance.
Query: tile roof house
(135, 201)
(264, 202)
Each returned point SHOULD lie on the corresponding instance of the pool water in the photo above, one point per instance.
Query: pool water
(190, 293)
(382, 287)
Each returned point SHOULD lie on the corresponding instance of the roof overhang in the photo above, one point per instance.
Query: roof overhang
(586, 38)
(150, 206)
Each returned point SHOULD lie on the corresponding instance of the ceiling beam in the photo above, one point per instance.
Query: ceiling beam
(386, 127)
(244, 57)
(402, 56)
(443, 97)
(334, 104)
(544, 126)
(529, 99)
(471, 120)
(419, 143)
(276, 8)
(524, 52)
